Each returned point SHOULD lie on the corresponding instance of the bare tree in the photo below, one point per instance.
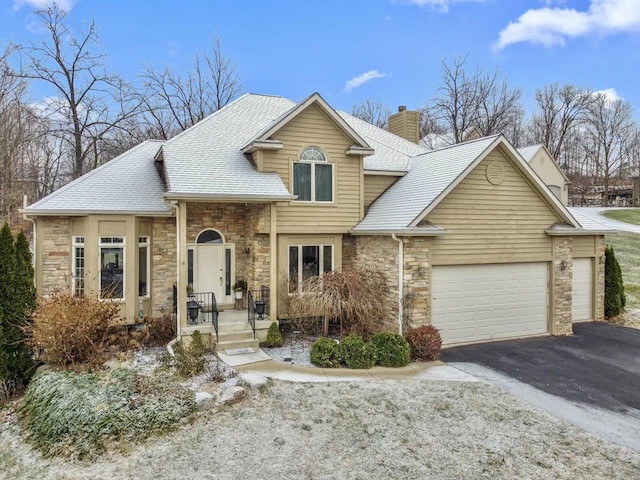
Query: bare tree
(561, 110)
(608, 127)
(472, 99)
(372, 111)
(174, 102)
(88, 102)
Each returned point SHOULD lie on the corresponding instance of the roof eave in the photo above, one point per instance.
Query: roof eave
(404, 232)
(198, 197)
(82, 213)
(356, 150)
(569, 232)
(262, 145)
(391, 173)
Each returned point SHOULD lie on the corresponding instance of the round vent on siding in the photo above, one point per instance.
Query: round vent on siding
(495, 173)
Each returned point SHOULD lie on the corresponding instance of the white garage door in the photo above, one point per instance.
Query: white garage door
(582, 293)
(473, 303)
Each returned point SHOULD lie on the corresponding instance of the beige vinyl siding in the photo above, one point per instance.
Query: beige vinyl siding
(584, 247)
(313, 128)
(492, 223)
(375, 185)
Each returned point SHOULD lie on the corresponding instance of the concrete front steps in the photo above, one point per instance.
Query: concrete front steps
(234, 331)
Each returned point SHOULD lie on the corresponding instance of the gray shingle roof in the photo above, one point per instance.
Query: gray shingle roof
(589, 223)
(428, 177)
(529, 152)
(206, 160)
(127, 184)
(392, 153)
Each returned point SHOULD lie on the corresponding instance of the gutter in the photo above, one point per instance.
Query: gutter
(400, 279)
(230, 198)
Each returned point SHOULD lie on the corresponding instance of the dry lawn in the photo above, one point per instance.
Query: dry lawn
(366, 430)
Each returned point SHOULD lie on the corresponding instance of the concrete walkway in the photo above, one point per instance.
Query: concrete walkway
(259, 363)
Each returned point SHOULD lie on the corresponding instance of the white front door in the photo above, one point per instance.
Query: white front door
(210, 271)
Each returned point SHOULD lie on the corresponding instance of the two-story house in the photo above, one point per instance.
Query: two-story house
(269, 191)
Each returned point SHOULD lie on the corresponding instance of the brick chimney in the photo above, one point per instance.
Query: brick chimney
(405, 124)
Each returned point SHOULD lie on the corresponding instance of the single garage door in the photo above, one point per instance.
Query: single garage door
(473, 303)
(582, 290)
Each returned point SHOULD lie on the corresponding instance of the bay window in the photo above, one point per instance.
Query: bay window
(112, 267)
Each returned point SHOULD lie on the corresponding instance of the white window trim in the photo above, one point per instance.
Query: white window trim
(144, 241)
(77, 242)
(102, 244)
(313, 164)
(320, 259)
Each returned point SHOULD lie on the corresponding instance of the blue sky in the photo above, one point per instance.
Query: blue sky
(352, 50)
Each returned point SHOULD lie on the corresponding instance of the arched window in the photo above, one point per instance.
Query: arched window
(313, 176)
(209, 236)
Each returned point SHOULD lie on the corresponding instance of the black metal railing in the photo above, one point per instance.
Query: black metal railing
(202, 309)
(258, 306)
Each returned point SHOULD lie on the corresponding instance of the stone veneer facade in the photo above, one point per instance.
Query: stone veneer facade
(417, 279)
(379, 253)
(599, 286)
(561, 315)
(163, 265)
(54, 235)
(239, 224)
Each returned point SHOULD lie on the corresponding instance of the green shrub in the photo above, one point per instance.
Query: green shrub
(356, 353)
(71, 414)
(393, 350)
(425, 343)
(189, 356)
(325, 352)
(614, 297)
(274, 336)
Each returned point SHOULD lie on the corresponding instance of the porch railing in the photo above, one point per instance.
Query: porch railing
(202, 309)
(258, 306)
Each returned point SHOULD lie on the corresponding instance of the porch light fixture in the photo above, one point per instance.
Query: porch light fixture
(193, 309)
(259, 310)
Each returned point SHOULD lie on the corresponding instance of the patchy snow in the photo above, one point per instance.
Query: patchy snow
(374, 430)
(294, 351)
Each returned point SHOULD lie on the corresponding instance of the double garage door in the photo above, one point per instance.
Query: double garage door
(474, 303)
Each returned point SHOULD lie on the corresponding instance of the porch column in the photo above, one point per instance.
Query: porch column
(181, 239)
(273, 264)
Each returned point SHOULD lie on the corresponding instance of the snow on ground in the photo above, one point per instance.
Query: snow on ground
(382, 429)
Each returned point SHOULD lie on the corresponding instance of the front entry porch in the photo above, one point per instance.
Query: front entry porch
(230, 327)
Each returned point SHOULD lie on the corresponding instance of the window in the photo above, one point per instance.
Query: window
(143, 266)
(77, 286)
(313, 177)
(210, 236)
(190, 269)
(112, 267)
(308, 261)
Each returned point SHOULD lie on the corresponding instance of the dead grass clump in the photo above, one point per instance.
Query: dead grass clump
(355, 299)
(159, 330)
(71, 330)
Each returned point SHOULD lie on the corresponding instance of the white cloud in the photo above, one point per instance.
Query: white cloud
(356, 82)
(552, 26)
(610, 94)
(64, 5)
(442, 5)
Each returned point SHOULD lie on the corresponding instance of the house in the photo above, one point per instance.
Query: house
(549, 171)
(269, 191)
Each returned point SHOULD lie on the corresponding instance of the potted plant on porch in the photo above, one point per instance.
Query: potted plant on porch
(239, 288)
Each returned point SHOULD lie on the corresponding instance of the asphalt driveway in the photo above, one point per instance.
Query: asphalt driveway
(599, 365)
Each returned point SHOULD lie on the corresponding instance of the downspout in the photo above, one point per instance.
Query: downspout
(173, 204)
(400, 279)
